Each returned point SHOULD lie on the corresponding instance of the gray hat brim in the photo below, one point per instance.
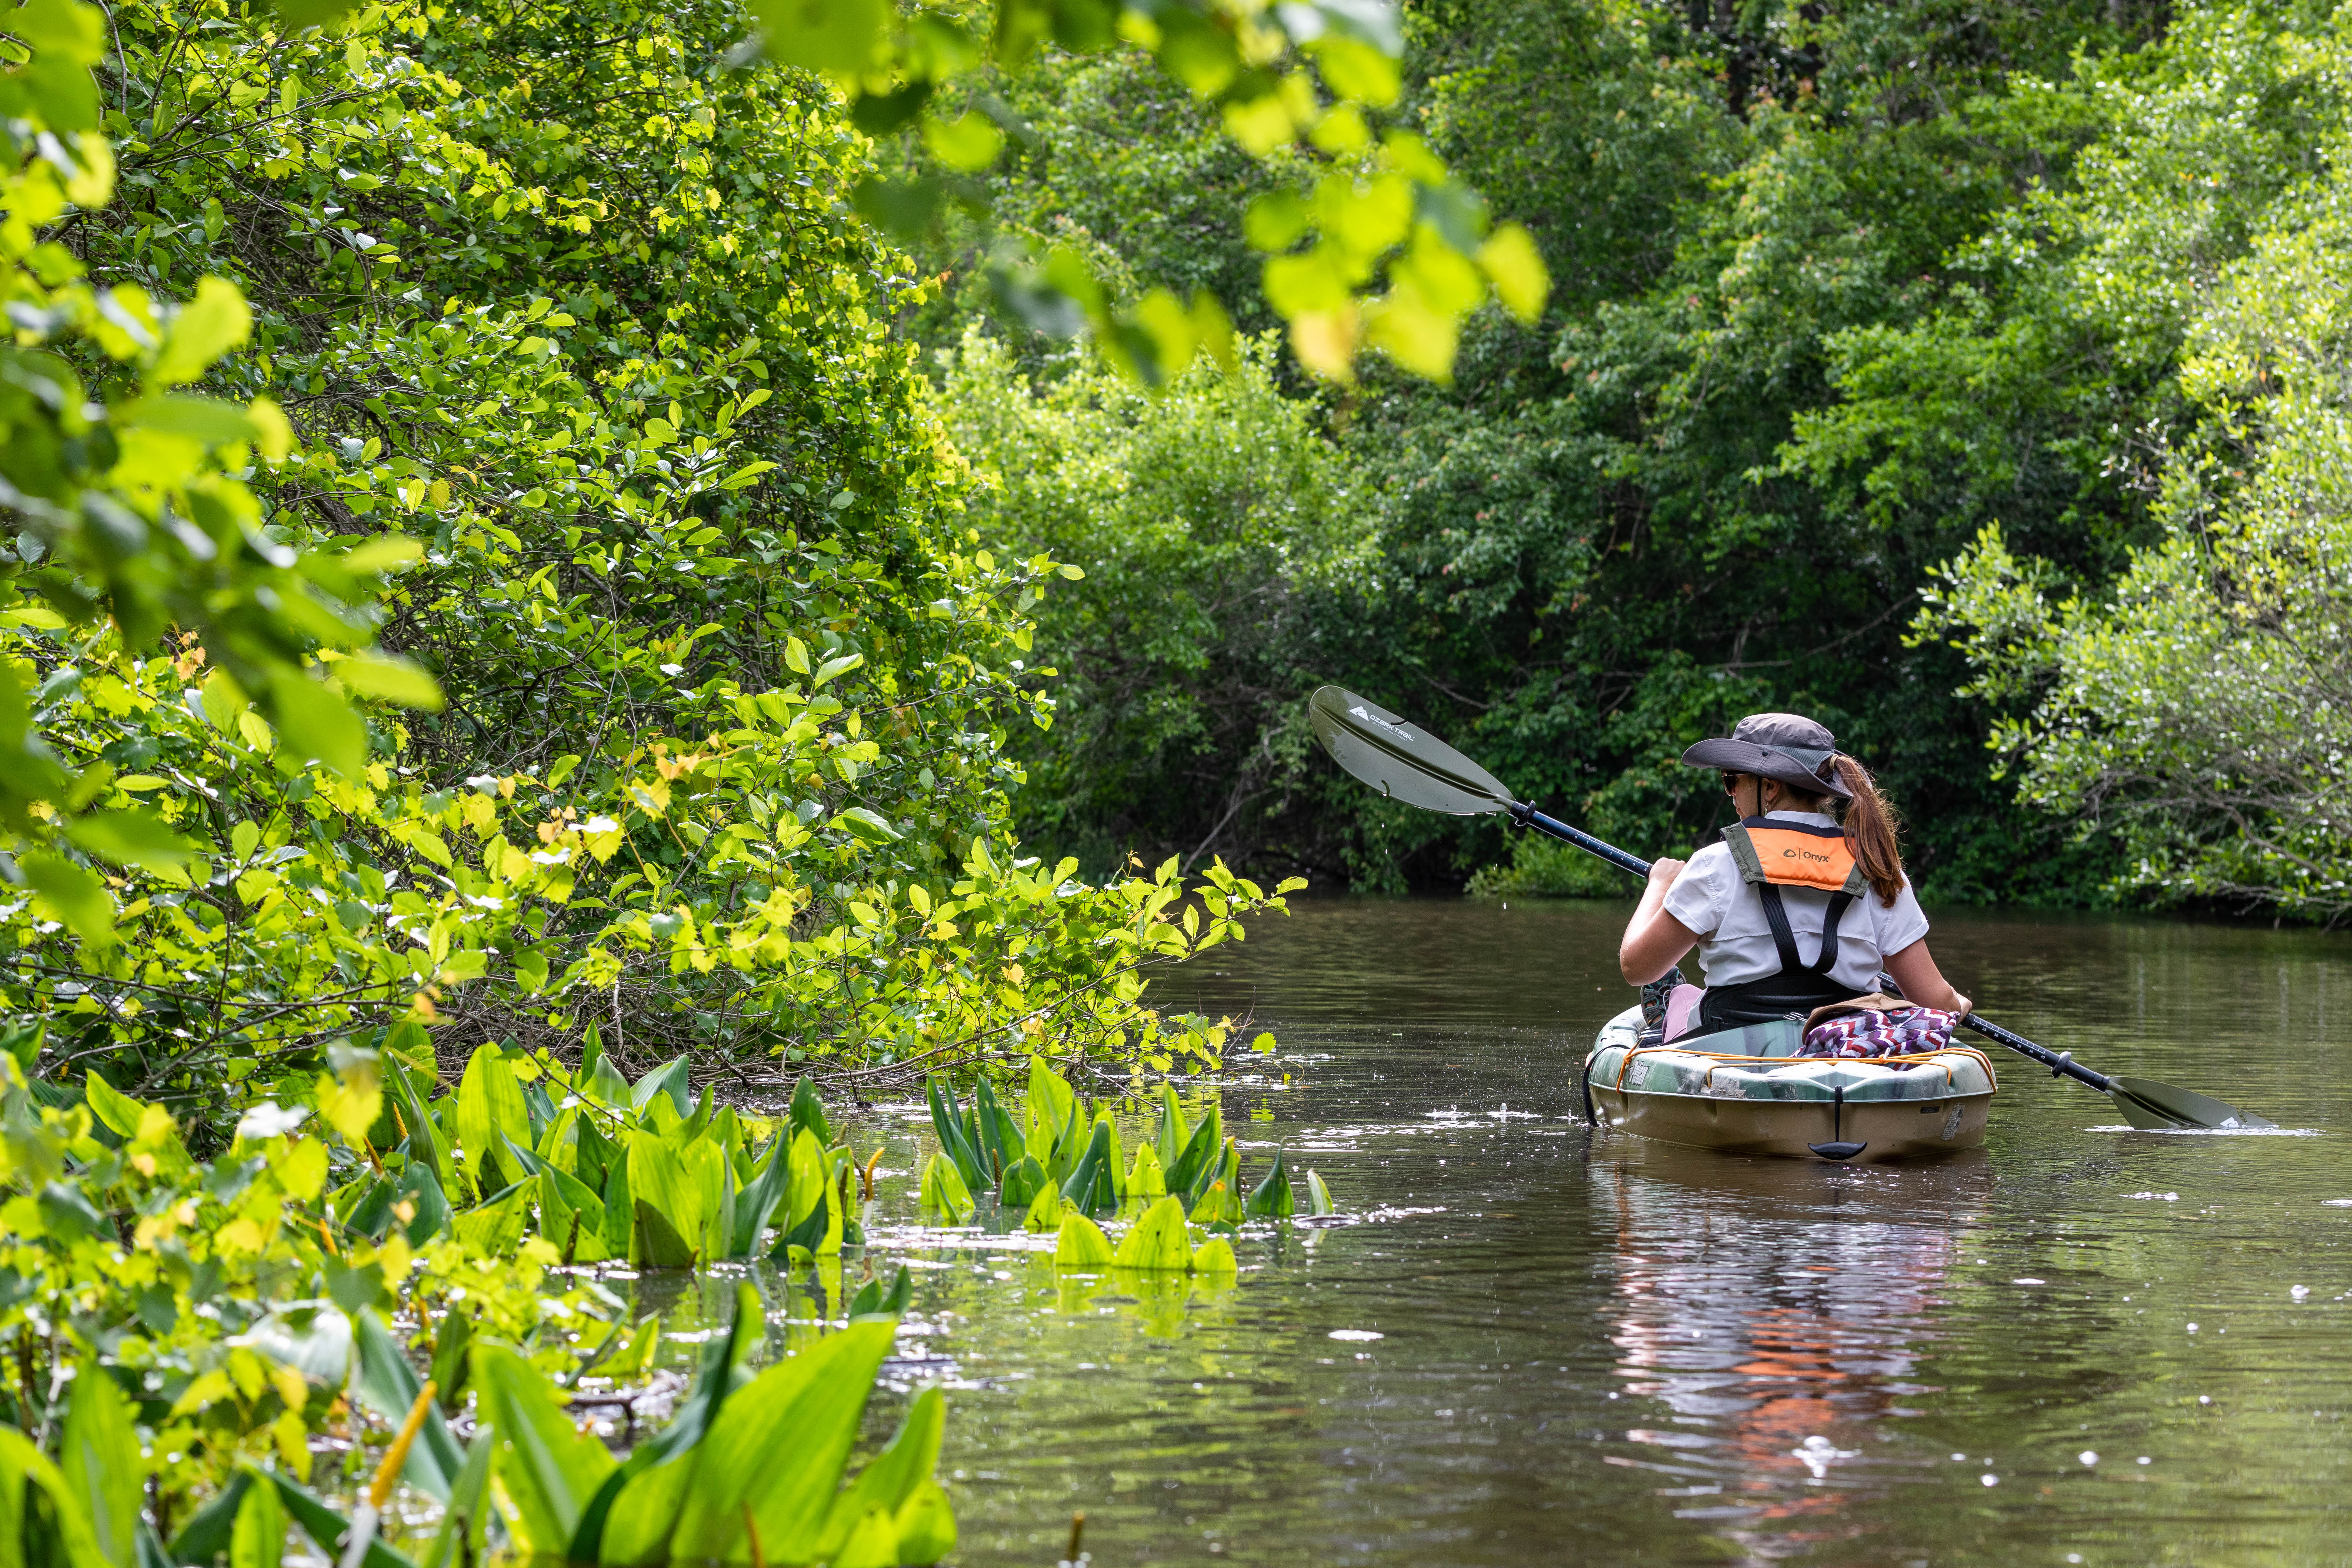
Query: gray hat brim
(1747, 757)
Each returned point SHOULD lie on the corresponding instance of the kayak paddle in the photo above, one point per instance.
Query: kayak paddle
(1405, 762)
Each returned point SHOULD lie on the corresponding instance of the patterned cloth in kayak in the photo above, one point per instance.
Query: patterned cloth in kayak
(1866, 1032)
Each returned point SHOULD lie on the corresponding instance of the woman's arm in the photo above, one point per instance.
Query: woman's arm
(1655, 941)
(1915, 970)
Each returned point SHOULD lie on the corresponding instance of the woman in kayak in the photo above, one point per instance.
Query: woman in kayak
(1794, 910)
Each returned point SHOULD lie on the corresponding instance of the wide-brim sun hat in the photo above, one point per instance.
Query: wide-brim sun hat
(1789, 747)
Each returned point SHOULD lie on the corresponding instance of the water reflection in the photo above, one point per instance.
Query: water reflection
(1779, 1314)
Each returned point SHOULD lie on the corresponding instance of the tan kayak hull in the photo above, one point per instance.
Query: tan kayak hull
(1888, 1131)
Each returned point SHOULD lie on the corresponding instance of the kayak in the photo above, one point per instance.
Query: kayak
(1745, 1091)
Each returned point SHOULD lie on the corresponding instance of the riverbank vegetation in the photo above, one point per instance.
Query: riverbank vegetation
(1957, 374)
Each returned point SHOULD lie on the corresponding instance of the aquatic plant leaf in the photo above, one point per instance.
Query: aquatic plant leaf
(23, 1469)
(807, 1114)
(209, 1531)
(947, 1121)
(778, 1448)
(759, 1199)
(1214, 1257)
(329, 1530)
(425, 1141)
(463, 1534)
(1272, 1198)
(1044, 1212)
(619, 1207)
(987, 1138)
(630, 1518)
(1114, 1164)
(1174, 1132)
(668, 1207)
(423, 1192)
(1089, 1188)
(944, 1193)
(672, 1080)
(547, 1468)
(1053, 1116)
(926, 1525)
(872, 1300)
(1318, 1196)
(1023, 1180)
(386, 1385)
(1196, 1166)
(490, 1110)
(100, 1457)
(1157, 1240)
(1146, 1181)
(1081, 1245)
(257, 1536)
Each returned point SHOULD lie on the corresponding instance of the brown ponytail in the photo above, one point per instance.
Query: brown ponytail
(1870, 831)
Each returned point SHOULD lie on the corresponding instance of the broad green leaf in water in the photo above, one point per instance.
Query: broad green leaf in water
(1052, 1105)
(944, 1193)
(668, 1204)
(1146, 1181)
(779, 1446)
(1044, 1211)
(100, 1460)
(671, 1078)
(1272, 1198)
(1214, 1257)
(388, 1387)
(1318, 1196)
(1081, 1245)
(1174, 1132)
(490, 1110)
(462, 1536)
(808, 1112)
(1089, 1188)
(893, 1477)
(1187, 1174)
(1023, 1180)
(1157, 1240)
(547, 1468)
(494, 1226)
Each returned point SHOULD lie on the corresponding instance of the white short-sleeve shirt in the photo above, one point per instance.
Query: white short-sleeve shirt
(1735, 941)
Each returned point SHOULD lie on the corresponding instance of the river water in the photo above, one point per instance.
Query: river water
(1536, 1344)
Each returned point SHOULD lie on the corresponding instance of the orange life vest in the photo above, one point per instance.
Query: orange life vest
(1794, 854)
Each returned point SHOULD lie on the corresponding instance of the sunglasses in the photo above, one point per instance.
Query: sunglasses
(1732, 784)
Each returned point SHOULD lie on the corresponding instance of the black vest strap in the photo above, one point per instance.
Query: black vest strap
(1784, 940)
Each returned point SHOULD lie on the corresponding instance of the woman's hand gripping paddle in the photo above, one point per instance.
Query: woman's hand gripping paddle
(1406, 763)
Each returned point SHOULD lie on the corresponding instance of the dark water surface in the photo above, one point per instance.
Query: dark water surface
(2079, 1344)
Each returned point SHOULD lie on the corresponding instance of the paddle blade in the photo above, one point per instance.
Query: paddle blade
(1400, 760)
(2159, 1106)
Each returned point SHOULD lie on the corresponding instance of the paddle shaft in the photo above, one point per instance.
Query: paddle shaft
(2058, 1062)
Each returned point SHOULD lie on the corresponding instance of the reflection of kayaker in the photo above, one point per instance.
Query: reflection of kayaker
(1788, 879)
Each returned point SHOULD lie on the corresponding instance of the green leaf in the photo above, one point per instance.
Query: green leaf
(388, 1385)
(944, 1192)
(865, 825)
(968, 142)
(1082, 1245)
(392, 679)
(1521, 279)
(778, 1448)
(1158, 1241)
(134, 837)
(257, 1538)
(1089, 1187)
(548, 1468)
(76, 896)
(835, 667)
(668, 1210)
(1318, 1196)
(206, 328)
(23, 1469)
(1274, 220)
(835, 37)
(329, 1529)
(119, 1111)
(1215, 1257)
(490, 1110)
(315, 723)
(894, 1477)
(1271, 1198)
(103, 1467)
(674, 1079)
